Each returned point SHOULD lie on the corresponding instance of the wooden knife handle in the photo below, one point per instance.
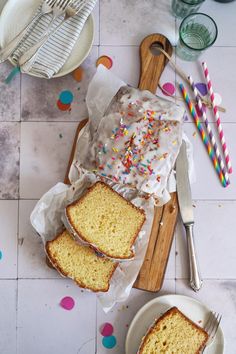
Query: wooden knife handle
(153, 61)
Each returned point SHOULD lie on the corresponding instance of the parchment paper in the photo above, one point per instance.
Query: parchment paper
(47, 216)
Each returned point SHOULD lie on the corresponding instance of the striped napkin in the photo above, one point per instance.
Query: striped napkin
(55, 52)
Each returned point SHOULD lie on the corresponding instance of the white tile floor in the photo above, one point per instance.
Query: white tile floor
(36, 164)
(35, 142)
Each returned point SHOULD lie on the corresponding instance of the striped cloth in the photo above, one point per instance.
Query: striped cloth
(55, 52)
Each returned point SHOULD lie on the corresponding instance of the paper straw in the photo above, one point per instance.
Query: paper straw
(209, 131)
(217, 117)
(204, 137)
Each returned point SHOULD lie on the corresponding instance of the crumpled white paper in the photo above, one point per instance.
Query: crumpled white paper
(47, 216)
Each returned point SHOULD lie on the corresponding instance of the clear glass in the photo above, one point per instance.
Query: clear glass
(183, 8)
(197, 32)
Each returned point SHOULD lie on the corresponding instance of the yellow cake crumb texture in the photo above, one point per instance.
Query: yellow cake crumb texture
(173, 333)
(107, 221)
(80, 263)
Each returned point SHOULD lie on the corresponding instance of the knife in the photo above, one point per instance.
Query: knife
(186, 211)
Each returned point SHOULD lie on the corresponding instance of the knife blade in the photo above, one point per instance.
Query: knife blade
(183, 186)
(186, 211)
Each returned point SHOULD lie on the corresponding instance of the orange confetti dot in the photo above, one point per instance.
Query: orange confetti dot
(62, 106)
(78, 74)
(106, 61)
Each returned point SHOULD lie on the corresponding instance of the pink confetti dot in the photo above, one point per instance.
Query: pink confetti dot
(168, 89)
(67, 303)
(106, 329)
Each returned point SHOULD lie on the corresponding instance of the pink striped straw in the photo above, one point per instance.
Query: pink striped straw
(217, 117)
(209, 130)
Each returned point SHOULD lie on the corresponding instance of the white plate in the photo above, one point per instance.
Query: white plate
(145, 317)
(17, 13)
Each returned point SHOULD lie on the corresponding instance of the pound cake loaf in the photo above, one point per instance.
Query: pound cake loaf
(107, 221)
(174, 333)
(80, 263)
(137, 141)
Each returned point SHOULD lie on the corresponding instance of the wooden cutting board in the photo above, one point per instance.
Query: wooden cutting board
(152, 273)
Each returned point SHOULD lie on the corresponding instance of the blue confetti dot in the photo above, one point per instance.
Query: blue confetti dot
(0, 255)
(109, 342)
(66, 97)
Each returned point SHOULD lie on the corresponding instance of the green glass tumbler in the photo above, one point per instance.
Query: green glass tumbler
(197, 32)
(183, 8)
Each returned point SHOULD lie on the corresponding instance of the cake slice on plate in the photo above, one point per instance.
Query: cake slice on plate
(80, 263)
(107, 221)
(174, 333)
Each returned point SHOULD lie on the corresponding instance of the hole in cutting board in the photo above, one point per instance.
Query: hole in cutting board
(154, 48)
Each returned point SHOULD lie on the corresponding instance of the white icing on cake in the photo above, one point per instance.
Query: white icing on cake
(137, 141)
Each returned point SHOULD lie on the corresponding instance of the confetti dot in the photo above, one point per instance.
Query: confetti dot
(109, 342)
(198, 111)
(78, 74)
(185, 117)
(106, 329)
(202, 88)
(63, 107)
(0, 254)
(106, 61)
(218, 99)
(66, 97)
(67, 303)
(168, 89)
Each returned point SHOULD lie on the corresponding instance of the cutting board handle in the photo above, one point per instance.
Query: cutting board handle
(153, 61)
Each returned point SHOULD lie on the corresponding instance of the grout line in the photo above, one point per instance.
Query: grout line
(175, 234)
(194, 200)
(20, 278)
(99, 20)
(96, 327)
(166, 278)
(20, 95)
(17, 300)
(17, 255)
(78, 121)
(137, 45)
(210, 279)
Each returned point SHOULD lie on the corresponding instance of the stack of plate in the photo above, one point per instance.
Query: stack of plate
(17, 13)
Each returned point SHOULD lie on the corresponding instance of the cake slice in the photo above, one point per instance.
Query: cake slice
(107, 221)
(80, 263)
(174, 333)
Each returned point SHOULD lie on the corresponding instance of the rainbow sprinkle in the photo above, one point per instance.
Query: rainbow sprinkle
(129, 159)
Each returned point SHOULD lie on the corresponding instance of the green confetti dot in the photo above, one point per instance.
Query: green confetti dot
(1, 255)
